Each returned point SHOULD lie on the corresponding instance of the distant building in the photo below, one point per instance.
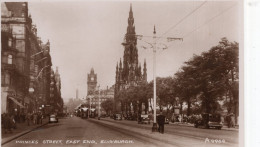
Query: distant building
(92, 82)
(105, 94)
(93, 93)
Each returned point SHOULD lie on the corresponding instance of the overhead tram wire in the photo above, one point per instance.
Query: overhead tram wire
(182, 19)
(175, 24)
(214, 17)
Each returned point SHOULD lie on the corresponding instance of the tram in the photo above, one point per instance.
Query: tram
(92, 113)
(84, 112)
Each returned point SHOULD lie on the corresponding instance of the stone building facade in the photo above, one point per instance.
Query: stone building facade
(15, 69)
(26, 62)
(93, 92)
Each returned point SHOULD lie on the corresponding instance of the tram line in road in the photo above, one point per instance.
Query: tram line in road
(175, 132)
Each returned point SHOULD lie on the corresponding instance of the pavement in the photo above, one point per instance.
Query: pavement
(22, 129)
(168, 139)
(225, 127)
(106, 129)
(78, 132)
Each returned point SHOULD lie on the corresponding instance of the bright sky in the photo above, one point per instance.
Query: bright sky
(89, 34)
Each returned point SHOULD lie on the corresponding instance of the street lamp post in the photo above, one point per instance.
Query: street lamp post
(90, 97)
(98, 102)
(154, 129)
(154, 47)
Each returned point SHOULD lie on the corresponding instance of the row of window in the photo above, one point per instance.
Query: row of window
(100, 99)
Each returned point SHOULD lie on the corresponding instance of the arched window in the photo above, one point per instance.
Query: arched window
(10, 42)
(10, 59)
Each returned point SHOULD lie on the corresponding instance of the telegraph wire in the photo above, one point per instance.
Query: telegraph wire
(182, 19)
(188, 34)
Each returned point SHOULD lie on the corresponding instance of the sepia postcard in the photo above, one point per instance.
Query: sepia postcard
(122, 73)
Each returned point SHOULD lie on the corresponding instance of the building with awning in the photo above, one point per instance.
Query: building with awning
(16, 102)
(78, 106)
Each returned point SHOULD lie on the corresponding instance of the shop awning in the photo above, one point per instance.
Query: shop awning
(15, 101)
(78, 106)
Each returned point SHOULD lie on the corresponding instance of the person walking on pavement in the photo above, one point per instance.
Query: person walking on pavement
(4, 122)
(28, 118)
(35, 118)
(40, 118)
(161, 121)
(8, 123)
(13, 122)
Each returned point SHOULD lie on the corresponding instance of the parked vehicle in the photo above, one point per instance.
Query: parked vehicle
(144, 119)
(53, 118)
(117, 116)
(209, 120)
(167, 121)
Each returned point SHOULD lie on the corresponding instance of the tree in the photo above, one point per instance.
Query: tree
(165, 92)
(107, 105)
(186, 86)
(213, 74)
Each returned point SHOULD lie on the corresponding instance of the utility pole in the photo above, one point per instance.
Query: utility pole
(98, 102)
(154, 129)
(154, 47)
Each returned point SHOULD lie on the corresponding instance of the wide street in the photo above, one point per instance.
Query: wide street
(74, 131)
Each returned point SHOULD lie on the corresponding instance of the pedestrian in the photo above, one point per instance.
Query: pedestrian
(8, 123)
(228, 118)
(232, 119)
(38, 118)
(13, 122)
(28, 118)
(35, 118)
(161, 121)
(3, 122)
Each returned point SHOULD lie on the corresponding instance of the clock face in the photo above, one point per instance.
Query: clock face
(92, 78)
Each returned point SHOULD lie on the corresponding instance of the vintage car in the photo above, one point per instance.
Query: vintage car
(53, 118)
(209, 120)
(144, 119)
(166, 121)
(118, 116)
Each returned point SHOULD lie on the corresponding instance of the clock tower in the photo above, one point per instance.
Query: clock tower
(92, 82)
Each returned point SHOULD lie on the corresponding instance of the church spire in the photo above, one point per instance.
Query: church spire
(145, 71)
(154, 31)
(131, 27)
(116, 71)
(120, 65)
(131, 12)
(130, 7)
